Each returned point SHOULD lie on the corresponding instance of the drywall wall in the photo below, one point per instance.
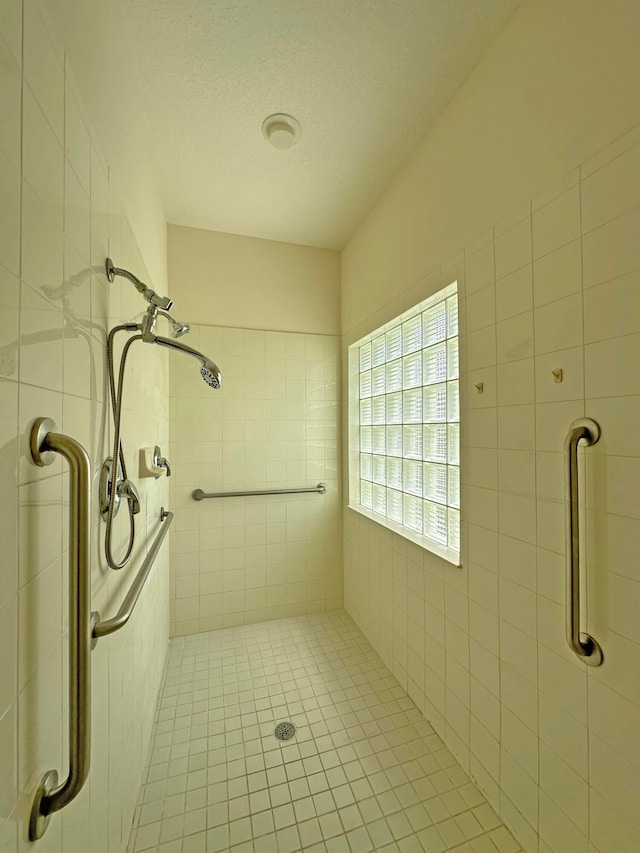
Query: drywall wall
(227, 280)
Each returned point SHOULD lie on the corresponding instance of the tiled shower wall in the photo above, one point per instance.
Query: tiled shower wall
(273, 424)
(481, 649)
(60, 215)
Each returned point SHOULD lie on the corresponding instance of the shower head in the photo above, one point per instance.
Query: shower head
(179, 329)
(209, 371)
(211, 374)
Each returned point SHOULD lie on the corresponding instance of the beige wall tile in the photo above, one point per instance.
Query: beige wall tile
(481, 348)
(516, 425)
(513, 249)
(42, 247)
(612, 309)
(608, 828)
(610, 251)
(519, 696)
(9, 215)
(615, 721)
(77, 142)
(564, 735)
(479, 268)
(523, 791)
(10, 100)
(520, 742)
(41, 341)
(11, 27)
(269, 440)
(612, 541)
(562, 678)
(615, 778)
(8, 654)
(517, 561)
(515, 338)
(558, 274)
(480, 308)
(611, 367)
(612, 190)
(557, 223)
(518, 650)
(42, 156)
(559, 831)
(517, 472)
(518, 606)
(558, 326)
(515, 383)
(514, 293)
(44, 67)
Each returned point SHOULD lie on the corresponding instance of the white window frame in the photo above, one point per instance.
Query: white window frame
(414, 368)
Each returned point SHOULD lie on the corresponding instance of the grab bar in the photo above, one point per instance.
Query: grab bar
(199, 495)
(50, 797)
(584, 645)
(109, 626)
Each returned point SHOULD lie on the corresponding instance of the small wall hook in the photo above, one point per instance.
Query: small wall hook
(557, 375)
(480, 387)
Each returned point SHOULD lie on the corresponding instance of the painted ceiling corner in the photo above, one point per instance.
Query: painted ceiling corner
(364, 80)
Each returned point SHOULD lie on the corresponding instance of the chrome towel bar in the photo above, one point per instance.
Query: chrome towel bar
(199, 495)
(45, 443)
(584, 645)
(109, 626)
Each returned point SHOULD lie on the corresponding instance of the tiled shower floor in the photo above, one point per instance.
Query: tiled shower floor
(365, 772)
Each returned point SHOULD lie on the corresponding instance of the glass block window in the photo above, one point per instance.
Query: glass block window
(404, 425)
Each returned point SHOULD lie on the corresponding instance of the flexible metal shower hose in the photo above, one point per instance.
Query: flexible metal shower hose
(118, 453)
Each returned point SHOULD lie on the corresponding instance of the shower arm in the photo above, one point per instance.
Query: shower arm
(150, 295)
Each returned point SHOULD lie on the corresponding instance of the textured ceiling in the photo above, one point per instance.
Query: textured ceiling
(365, 79)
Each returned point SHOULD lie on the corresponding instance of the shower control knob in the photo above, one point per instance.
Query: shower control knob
(153, 464)
(126, 489)
(160, 461)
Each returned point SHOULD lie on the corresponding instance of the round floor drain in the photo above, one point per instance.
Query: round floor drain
(284, 731)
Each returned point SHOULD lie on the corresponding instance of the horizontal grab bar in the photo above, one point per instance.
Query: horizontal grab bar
(109, 626)
(199, 495)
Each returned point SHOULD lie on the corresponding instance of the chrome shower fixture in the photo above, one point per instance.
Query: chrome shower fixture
(209, 370)
(211, 375)
(179, 329)
(150, 295)
(114, 482)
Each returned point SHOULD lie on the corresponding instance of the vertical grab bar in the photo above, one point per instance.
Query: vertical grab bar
(584, 645)
(50, 796)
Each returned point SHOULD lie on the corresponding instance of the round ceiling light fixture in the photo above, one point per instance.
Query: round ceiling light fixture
(281, 130)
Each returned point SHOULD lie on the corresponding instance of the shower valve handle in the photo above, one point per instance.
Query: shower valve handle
(126, 489)
(161, 461)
